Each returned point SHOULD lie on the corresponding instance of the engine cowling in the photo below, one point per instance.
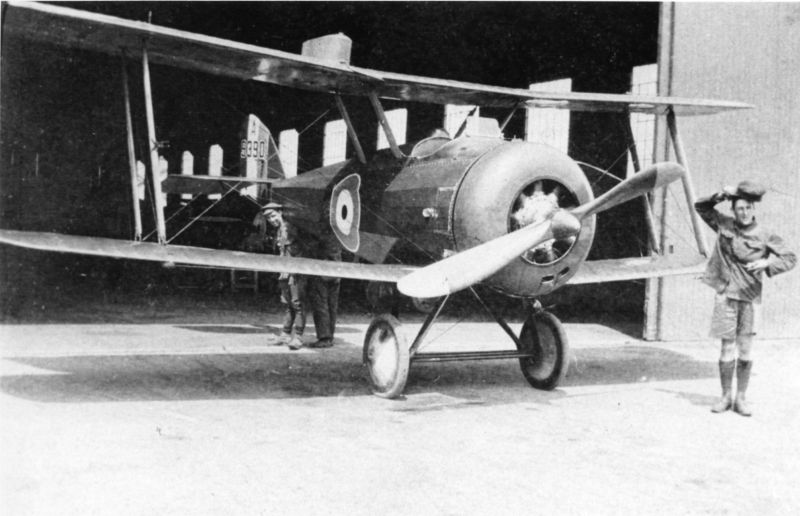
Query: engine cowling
(513, 185)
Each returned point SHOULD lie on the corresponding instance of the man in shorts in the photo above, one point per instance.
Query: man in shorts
(744, 252)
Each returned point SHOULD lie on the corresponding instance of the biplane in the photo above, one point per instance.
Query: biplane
(515, 216)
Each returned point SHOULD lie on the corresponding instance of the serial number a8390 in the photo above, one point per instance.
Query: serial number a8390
(253, 149)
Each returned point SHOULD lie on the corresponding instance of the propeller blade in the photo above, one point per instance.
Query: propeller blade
(478, 263)
(654, 176)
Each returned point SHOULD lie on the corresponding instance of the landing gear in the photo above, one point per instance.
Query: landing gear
(542, 350)
(386, 356)
(544, 342)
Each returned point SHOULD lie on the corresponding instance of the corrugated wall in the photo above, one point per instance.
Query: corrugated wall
(751, 53)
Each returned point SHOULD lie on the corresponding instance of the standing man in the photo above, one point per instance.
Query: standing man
(743, 253)
(292, 286)
(323, 292)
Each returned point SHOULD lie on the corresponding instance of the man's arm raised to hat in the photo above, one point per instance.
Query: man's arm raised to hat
(705, 207)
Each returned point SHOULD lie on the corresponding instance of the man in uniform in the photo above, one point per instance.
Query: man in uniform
(292, 286)
(743, 253)
(323, 292)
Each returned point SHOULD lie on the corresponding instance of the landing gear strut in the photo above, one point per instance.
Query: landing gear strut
(542, 350)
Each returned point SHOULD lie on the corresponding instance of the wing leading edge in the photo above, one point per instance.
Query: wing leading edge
(624, 269)
(172, 47)
(198, 256)
(598, 271)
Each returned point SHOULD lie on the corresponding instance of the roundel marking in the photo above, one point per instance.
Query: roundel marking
(345, 212)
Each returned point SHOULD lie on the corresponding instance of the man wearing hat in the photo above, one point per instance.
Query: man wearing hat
(744, 252)
(292, 286)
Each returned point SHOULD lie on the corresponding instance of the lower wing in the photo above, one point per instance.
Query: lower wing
(199, 256)
(597, 271)
(623, 269)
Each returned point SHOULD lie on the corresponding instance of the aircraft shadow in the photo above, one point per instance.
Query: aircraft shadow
(500, 381)
(226, 329)
(244, 330)
(334, 372)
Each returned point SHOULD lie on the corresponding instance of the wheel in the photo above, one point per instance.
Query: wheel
(544, 337)
(386, 356)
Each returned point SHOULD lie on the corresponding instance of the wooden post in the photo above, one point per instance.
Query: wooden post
(158, 200)
(163, 172)
(187, 169)
(141, 179)
(654, 287)
(215, 166)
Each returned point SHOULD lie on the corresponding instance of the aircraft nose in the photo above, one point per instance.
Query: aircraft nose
(564, 225)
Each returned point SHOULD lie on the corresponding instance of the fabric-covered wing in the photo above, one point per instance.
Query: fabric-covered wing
(198, 256)
(109, 34)
(204, 185)
(624, 269)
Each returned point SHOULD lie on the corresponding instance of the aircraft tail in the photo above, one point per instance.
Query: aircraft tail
(259, 153)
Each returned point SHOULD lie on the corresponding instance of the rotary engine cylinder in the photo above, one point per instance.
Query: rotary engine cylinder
(514, 185)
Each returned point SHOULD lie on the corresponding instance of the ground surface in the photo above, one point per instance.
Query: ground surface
(122, 409)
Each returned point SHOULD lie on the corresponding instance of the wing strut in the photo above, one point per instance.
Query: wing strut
(510, 116)
(351, 131)
(376, 105)
(158, 200)
(137, 214)
(688, 189)
(648, 210)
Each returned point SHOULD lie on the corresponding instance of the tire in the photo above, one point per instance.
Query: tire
(386, 356)
(543, 336)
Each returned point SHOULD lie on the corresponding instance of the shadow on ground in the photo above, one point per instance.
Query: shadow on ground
(700, 400)
(323, 373)
(92, 304)
(256, 329)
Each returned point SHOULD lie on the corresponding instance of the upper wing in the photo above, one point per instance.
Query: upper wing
(199, 256)
(109, 34)
(624, 269)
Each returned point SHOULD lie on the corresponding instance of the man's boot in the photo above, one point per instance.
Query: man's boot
(295, 342)
(726, 379)
(742, 379)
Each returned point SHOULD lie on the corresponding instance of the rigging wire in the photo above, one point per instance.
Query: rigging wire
(201, 214)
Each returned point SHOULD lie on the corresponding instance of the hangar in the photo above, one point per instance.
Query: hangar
(61, 127)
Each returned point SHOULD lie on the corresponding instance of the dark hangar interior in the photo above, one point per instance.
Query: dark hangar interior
(63, 151)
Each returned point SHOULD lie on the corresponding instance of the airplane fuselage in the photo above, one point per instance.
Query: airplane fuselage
(448, 196)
